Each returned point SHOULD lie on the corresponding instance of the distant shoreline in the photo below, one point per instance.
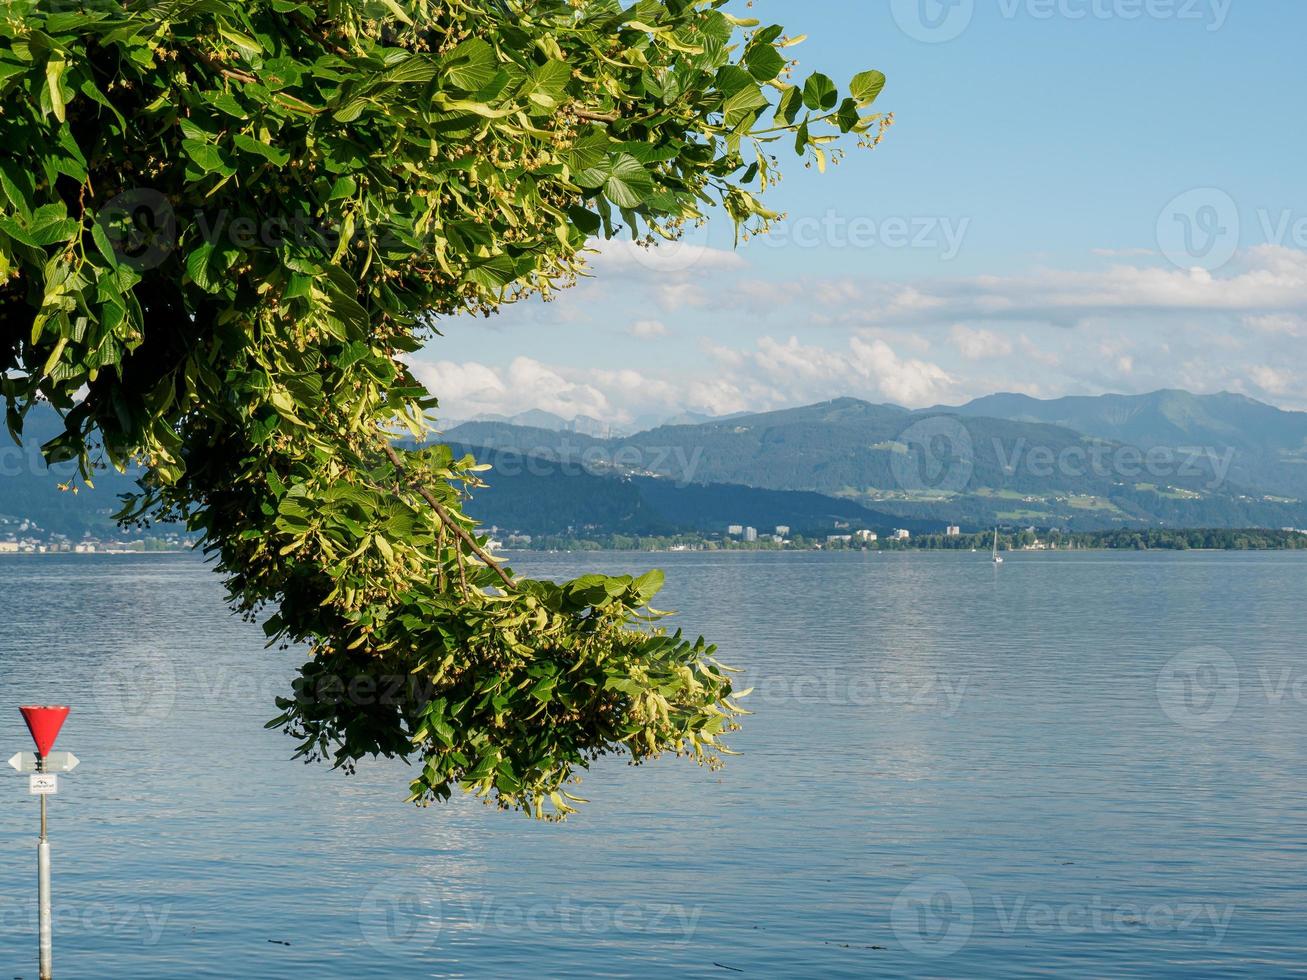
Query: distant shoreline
(884, 551)
(91, 554)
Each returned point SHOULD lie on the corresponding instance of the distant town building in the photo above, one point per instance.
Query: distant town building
(735, 530)
(901, 535)
(867, 536)
(750, 534)
(8, 546)
(782, 530)
(953, 531)
(838, 538)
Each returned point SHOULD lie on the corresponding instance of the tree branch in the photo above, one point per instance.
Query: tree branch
(445, 517)
(220, 68)
(599, 117)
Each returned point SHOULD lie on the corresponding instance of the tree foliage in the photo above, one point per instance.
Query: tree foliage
(224, 225)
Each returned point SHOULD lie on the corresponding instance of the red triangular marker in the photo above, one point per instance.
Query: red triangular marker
(44, 722)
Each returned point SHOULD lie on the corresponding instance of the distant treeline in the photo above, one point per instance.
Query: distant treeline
(1254, 539)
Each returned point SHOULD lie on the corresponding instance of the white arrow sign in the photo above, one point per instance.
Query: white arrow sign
(54, 762)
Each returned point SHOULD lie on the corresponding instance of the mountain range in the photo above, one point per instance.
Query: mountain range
(1169, 458)
(1165, 459)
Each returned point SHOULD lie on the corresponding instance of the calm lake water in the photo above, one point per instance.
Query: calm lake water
(1078, 764)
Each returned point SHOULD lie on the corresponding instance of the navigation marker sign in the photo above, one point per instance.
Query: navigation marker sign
(54, 762)
(41, 783)
(44, 722)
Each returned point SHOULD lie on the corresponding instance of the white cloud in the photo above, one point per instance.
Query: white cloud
(471, 388)
(647, 329)
(1269, 279)
(976, 345)
(680, 259)
(774, 342)
(1272, 380)
(1286, 324)
(1123, 253)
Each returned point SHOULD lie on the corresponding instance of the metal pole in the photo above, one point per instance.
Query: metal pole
(43, 890)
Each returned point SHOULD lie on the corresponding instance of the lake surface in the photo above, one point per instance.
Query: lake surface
(1088, 764)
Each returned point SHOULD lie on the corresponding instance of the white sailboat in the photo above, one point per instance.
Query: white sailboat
(998, 559)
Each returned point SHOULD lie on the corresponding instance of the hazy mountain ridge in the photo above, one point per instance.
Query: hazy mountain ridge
(1034, 467)
(1001, 459)
(1269, 443)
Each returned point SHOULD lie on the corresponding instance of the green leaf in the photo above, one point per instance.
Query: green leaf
(787, 110)
(764, 62)
(547, 83)
(54, 74)
(198, 263)
(866, 87)
(470, 65)
(344, 187)
(820, 93)
(629, 184)
(207, 156)
(744, 104)
(848, 117)
(270, 153)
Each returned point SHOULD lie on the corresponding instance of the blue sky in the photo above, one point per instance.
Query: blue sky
(1078, 196)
